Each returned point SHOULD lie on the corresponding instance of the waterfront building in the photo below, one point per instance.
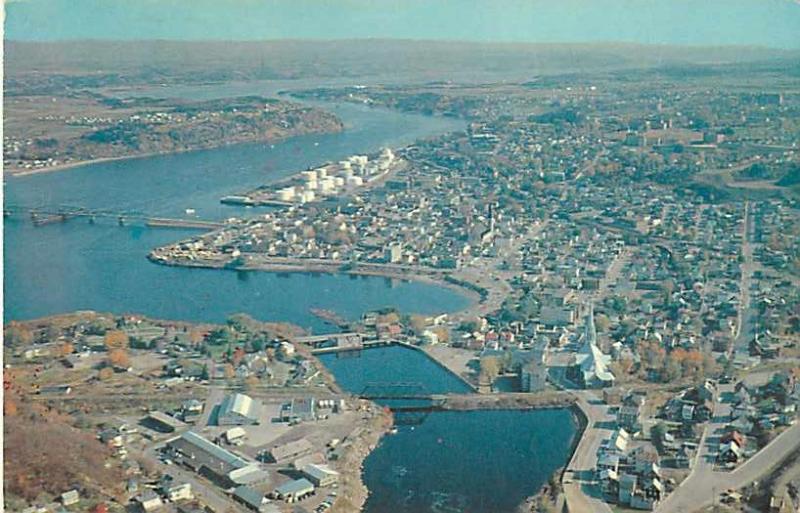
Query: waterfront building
(320, 475)
(294, 491)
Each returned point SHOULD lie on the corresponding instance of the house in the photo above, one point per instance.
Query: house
(177, 492)
(648, 495)
(627, 487)
(685, 457)
(619, 441)
(149, 501)
(320, 475)
(643, 458)
(730, 452)
(237, 410)
(608, 461)
(294, 491)
(629, 417)
(609, 479)
(734, 436)
(69, 498)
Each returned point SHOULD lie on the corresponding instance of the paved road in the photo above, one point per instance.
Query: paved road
(579, 489)
(744, 326)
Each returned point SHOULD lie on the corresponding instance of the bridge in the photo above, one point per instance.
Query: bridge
(41, 216)
(407, 391)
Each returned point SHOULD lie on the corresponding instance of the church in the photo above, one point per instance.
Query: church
(590, 366)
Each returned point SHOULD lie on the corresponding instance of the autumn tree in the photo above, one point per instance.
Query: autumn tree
(196, 336)
(490, 368)
(228, 371)
(65, 349)
(418, 323)
(237, 356)
(119, 358)
(116, 339)
(442, 334)
(105, 373)
(16, 334)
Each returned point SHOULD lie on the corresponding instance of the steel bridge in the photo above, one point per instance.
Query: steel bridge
(47, 215)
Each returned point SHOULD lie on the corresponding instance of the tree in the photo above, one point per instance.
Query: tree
(418, 323)
(9, 406)
(196, 336)
(490, 368)
(442, 334)
(602, 322)
(115, 339)
(119, 358)
(105, 373)
(204, 373)
(237, 356)
(65, 349)
(228, 371)
(15, 335)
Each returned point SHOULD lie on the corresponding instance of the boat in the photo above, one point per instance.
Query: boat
(190, 212)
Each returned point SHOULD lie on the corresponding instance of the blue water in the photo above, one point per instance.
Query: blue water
(473, 462)
(355, 370)
(60, 268)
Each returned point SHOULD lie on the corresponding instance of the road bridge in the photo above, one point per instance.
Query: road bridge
(41, 216)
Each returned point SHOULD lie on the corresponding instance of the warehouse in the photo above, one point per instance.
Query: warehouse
(294, 491)
(290, 451)
(211, 460)
(162, 422)
(320, 475)
(237, 410)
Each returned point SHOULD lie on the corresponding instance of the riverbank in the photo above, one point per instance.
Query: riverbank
(22, 172)
(352, 492)
(334, 267)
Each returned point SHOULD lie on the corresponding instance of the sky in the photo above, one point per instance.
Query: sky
(770, 23)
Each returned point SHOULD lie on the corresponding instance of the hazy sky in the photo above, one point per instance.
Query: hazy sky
(774, 23)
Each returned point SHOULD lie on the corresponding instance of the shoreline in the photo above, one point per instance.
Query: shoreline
(290, 266)
(22, 172)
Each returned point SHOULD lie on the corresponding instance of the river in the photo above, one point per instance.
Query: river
(486, 461)
(482, 462)
(65, 267)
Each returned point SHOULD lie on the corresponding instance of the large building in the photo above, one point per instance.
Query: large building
(590, 367)
(237, 410)
(214, 462)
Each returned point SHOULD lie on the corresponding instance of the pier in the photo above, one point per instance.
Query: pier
(41, 216)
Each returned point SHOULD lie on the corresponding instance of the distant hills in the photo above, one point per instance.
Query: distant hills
(154, 60)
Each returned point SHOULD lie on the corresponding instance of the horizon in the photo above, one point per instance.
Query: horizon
(771, 24)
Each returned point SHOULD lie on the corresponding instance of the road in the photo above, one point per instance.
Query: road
(580, 491)
(744, 324)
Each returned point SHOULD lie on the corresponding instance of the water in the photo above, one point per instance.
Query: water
(486, 461)
(355, 370)
(60, 268)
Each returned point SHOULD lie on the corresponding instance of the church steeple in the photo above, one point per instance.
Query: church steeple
(590, 331)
